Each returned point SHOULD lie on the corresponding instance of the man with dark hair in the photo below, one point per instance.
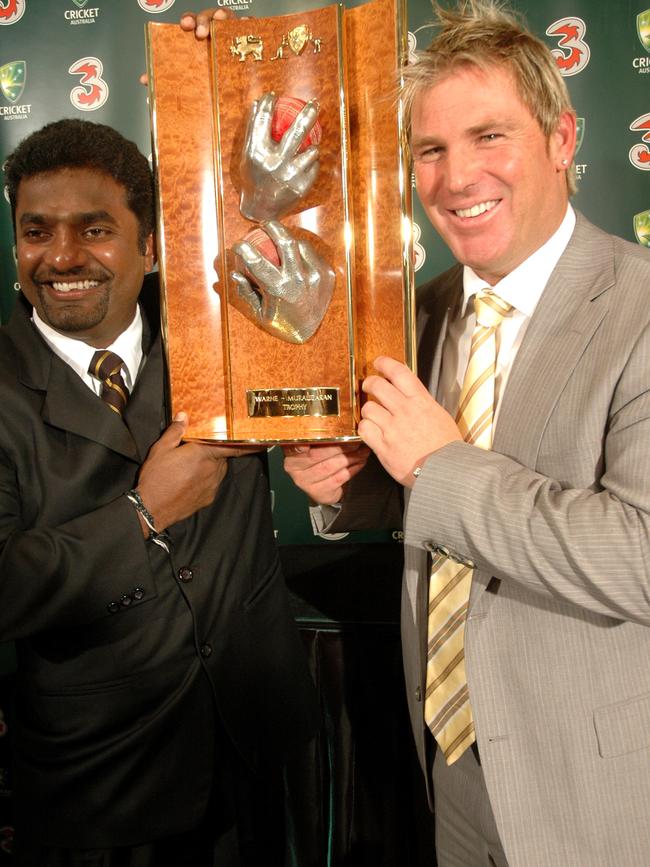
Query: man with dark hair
(101, 148)
(524, 451)
(160, 679)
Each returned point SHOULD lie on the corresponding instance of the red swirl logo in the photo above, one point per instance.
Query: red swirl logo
(92, 91)
(155, 6)
(11, 11)
(572, 53)
(640, 153)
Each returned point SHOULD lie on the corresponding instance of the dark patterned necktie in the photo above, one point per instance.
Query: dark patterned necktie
(106, 367)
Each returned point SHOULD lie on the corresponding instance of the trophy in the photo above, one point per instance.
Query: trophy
(283, 187)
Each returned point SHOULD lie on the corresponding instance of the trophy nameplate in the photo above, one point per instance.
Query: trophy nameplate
(242, 373)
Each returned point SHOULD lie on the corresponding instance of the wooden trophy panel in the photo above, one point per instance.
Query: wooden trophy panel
(258, 360)
(381, 186)
(188, 239)
(355, 215)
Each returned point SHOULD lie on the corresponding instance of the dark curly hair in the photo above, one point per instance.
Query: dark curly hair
(81, 144)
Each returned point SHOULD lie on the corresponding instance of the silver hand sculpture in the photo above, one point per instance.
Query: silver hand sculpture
(289, 300)
(274, 176)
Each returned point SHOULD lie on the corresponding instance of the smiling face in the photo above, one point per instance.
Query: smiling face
(492, 184)
(80, 261)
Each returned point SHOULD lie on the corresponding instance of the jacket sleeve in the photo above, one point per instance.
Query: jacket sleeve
(587, 546)
(92, 566)
(371, 501)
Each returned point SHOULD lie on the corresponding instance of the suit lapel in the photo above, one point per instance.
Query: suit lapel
(71, 406)
(143, 412)
(567, 316)
(435, 302)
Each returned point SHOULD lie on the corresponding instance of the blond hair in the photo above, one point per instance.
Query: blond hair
(484, 33)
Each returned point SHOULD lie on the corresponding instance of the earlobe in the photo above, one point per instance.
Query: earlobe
(565, 139)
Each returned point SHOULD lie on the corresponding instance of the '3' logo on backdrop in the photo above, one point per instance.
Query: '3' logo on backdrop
(573, 53)
(11, 11)
(640, 153)
(155, 6)
(92, 91)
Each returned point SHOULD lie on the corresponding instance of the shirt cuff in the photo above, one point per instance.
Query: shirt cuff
(322, 517)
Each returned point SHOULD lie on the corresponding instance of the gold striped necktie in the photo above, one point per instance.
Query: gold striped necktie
(106, 366)
(447, 710)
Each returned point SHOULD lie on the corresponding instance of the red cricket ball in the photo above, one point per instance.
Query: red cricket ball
(286, 111)
(263, 244)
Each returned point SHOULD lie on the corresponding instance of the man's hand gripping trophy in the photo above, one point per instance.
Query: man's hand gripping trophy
(288, 300)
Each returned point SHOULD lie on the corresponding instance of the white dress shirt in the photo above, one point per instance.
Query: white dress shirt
(78, 354)
(522, 288)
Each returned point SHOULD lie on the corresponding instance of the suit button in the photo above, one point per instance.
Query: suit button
(113, 607)
(206, 650)
(125, 601)
(418, 693)
(185, 574)
(137, 593)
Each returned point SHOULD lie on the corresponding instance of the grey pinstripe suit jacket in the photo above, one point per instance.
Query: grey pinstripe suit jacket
(557, 520)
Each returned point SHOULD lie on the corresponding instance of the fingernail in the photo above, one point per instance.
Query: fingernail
(180, 416)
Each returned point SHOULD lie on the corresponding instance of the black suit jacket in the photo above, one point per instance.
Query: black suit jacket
(127, 656)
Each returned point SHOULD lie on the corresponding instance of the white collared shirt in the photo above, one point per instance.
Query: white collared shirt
(78, 354)
(522, 288)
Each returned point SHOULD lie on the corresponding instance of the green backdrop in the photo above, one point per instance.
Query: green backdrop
(63, 58)
(66, 58)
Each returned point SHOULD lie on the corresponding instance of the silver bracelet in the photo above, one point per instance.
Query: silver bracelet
(160, 539)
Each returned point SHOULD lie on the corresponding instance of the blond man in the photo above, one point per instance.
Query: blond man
(525, 471)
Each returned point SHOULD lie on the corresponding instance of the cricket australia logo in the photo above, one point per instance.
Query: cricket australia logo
(643, 28)
(581, 168)
(155, 6)
(238, 5)
(572, 53)
(13, 76)
(580, 134)
(12, 79)
(81, 15)
(92, 92)
(11, 11)
(642, 228)
(642, 64)
(640, 153)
